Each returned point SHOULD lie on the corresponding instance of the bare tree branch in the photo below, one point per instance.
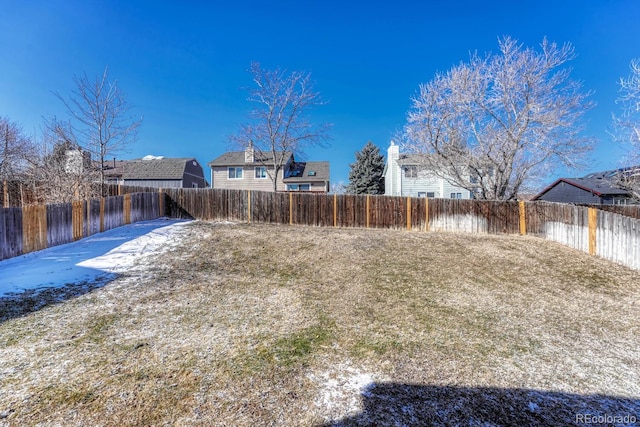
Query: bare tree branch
(100, 118)
(500, 123)
(16, 150)
(278, 125)
(627, 129)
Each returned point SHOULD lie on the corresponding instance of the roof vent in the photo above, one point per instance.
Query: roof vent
(312, 173)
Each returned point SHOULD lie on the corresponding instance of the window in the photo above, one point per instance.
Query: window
(194, 185)
(261, 172)
(298, 187)
(422, 194)
(235, 173)
(456, 195)
(431, 194)
(410, 171)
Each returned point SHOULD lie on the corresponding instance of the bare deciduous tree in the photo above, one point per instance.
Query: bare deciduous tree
(16, 150)
(627, 128)
(279, 125)
(101, 120)
(499, 123)
(63, 171)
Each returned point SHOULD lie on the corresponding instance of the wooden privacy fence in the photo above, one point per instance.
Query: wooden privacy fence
(598, 232)
(36, 227)
(607, 234)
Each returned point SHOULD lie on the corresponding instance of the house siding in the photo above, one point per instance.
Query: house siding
(154, 183)
(564, 192)
(397, 184)
(193, 174)
(220, 179)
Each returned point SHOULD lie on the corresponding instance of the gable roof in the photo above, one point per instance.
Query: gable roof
(600, 184)
(308, 172)
(237, 158)
(156, 168)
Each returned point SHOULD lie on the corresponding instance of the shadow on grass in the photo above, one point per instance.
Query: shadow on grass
(31, 300)
(390, 404)
(51, 276)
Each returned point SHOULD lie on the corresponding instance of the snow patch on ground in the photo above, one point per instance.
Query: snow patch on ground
(341, 390)
(95, 259)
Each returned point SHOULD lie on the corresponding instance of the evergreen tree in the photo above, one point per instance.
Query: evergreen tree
(367, 173)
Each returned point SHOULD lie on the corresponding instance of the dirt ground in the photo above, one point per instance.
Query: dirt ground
(245, 324)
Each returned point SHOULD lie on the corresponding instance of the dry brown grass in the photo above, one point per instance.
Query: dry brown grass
(272, 325)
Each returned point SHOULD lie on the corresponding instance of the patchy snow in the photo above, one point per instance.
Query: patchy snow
(341, 390)
(94, 259)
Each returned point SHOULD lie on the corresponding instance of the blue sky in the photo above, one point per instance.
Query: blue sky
(183, 65)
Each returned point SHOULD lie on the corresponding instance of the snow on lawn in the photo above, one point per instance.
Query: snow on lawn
(95, 259)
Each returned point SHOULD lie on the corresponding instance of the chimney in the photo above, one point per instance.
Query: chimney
(393, 151)
(249, 153)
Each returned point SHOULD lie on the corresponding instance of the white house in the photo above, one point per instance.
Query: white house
(404, 175)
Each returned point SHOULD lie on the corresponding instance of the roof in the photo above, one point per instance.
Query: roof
(153, 168)
(308, 172)
(599, 183)
(411, 159)
(237, 158)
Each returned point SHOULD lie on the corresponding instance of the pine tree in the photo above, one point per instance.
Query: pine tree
(367, 173)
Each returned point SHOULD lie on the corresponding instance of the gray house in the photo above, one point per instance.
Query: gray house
(248, 170)
(156, 171)
(599, 188)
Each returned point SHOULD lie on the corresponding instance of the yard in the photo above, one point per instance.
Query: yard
(245, 324)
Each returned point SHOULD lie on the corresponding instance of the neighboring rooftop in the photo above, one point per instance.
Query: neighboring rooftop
(599, 183)
(308, 171)
(237, 158)
(148, 167)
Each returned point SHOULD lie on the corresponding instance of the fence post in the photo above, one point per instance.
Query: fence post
(408, 213)
(523, 222)
(367, 211)
(161, 202)
(335, 210)
(127, 208)
(290, 208)
(77, 219)
(101, 214)
(249, 205)
(426, 214)
(593, 225)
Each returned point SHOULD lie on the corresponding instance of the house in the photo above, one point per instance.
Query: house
(248, 170)
(156, 171)
(600, 188)
(405, 176)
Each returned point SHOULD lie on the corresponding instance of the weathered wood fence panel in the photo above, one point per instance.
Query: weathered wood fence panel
(113, 212)
(10, 232)
(632, 211)
(618, 239)
(59, 224)
(36, 227)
